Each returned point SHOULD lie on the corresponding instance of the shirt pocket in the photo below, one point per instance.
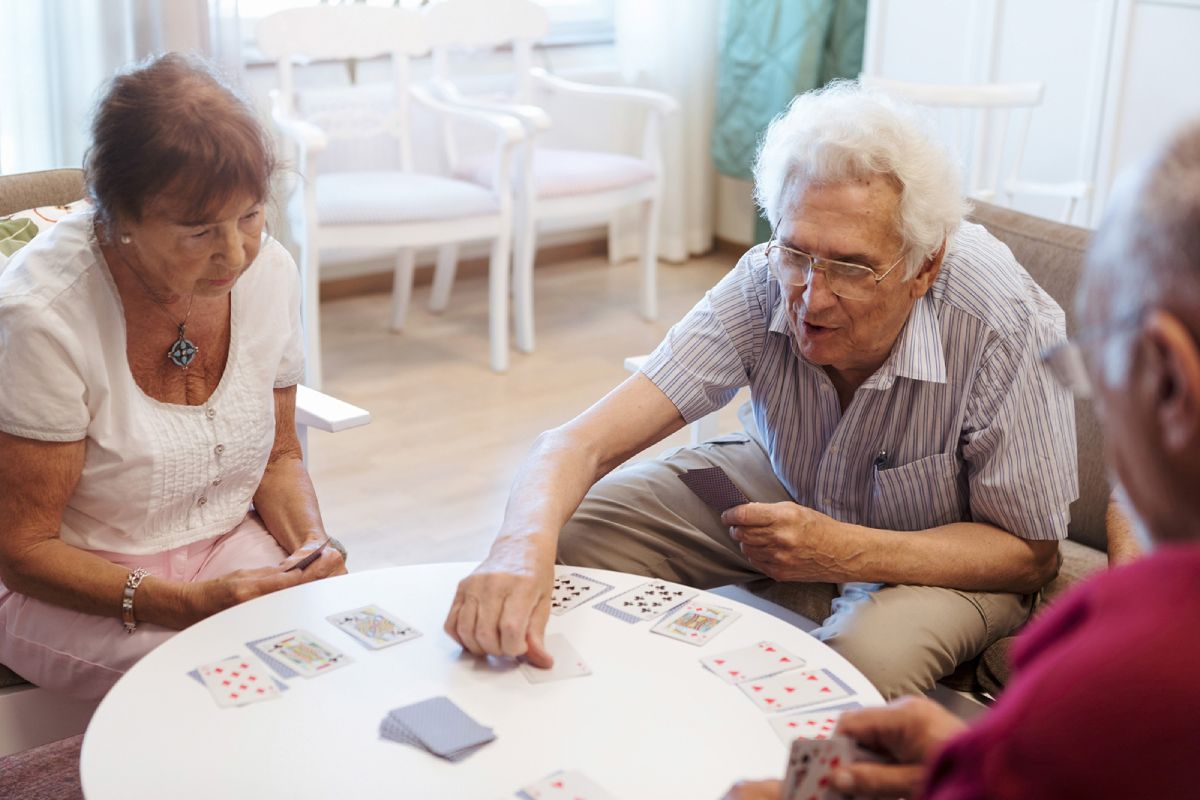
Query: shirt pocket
(918, 495)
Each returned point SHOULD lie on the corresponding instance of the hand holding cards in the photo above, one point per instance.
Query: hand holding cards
(811, 764)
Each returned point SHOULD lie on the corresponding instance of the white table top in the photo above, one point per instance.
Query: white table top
(649, 722)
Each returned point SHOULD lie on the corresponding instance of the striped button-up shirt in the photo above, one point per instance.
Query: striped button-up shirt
(962, 422)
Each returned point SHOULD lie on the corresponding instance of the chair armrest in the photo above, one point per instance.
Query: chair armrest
(508, 128)
(635, 363)
(308, 136)
(656, 101)
(323, 412)
(532, 118)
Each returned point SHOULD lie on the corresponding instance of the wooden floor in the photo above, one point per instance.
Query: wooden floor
(428, 478)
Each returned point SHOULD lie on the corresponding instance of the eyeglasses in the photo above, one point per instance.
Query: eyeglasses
(1065, 361)
(794, 268)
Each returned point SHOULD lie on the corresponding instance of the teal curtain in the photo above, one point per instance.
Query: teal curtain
(770, 51)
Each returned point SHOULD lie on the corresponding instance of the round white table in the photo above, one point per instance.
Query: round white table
(649, 722)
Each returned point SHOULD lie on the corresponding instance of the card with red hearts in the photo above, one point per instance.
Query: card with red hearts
(796, 689)
(753, 662)
(565, 785)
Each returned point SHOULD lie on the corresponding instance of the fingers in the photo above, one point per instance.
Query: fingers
(535, 638)
(467, 618)
(753, 514)
(875, 728)
(450, 626)
(864, 779)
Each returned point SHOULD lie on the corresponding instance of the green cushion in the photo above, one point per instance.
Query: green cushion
(15, 234)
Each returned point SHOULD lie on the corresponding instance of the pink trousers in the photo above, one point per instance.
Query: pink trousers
(84, 654)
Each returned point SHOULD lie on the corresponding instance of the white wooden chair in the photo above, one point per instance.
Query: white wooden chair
(567, 188)
(399, 208)
(981, 119)
(32, 716)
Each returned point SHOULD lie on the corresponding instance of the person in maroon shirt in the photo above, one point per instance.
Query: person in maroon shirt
(1106, 687)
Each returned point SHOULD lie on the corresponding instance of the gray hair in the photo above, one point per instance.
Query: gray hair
(846, 132)
(1147, 248)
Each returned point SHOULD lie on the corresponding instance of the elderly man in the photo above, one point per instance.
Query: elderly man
(909, 446)
(1102, 704)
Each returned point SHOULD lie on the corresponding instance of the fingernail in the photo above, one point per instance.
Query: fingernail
(843, 780)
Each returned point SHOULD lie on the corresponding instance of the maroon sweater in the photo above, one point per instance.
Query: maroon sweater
(1105, 699)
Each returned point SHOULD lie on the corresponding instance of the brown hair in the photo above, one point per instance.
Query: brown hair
(169, 127)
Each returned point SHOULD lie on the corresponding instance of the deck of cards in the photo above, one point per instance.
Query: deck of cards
(438, 726)
(810, 763)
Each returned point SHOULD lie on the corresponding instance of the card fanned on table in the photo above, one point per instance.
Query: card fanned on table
(753, 662)
(796, 689)
(565, 785)
(436, 725)
(696, 623)
(373, 627)
(810, 763)
(298, 653)
(714, 487)
(648, 601)
(567, 662)
(818, 724)
(575, 589)
(238, 681)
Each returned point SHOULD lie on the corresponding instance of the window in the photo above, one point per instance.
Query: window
(571, 21)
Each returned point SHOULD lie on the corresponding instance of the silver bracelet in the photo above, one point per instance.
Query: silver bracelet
(131, 584)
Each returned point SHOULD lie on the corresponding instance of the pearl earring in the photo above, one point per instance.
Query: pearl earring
(126, 238)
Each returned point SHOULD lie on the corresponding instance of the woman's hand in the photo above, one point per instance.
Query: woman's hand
(755, 790)
(329, 563)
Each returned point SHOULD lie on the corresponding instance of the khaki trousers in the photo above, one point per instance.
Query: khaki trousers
(641, 519)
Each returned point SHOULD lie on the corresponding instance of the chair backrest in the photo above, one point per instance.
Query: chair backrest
(977, 121)
(487, 24)
(52, 187)
(1053, 254)
(349, 33)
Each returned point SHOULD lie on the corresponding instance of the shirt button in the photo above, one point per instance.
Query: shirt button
(833, 449)
(212, 412)
(202, 501)
(828, 501)
(219, 449)
(216, 481)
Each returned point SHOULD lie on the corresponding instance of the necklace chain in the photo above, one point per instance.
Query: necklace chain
(183, 351)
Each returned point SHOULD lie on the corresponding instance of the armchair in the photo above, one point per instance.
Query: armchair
(567, 187)
(403, 208)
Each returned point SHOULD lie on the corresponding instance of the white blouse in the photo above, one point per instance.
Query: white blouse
(156, 475)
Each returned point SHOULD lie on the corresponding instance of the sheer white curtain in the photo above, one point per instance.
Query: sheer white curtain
(58, 53)
(671, 45)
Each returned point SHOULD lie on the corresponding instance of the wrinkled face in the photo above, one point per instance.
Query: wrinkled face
(853, 222)
(204, 257)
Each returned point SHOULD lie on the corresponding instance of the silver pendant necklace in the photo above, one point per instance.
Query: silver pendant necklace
(184, 351)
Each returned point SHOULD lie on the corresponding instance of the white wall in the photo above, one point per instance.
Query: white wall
(1119, 74)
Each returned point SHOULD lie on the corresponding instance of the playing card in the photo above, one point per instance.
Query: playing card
(648, 601)
(567, 663)
(395, 731)
(301, 653)
(441, 727)
(818, 724)
(574, 589)
(195, 675)
(374, 627)
(714, 487)
(696, 623)
(796, 689)
(565, 785)
(753, 662)
(238, 681)
(810, 763)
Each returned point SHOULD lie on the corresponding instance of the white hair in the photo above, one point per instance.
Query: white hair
(845, 132)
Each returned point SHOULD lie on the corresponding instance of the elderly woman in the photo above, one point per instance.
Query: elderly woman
(150, 474)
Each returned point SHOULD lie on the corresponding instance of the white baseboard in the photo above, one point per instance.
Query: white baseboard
(30, 717)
